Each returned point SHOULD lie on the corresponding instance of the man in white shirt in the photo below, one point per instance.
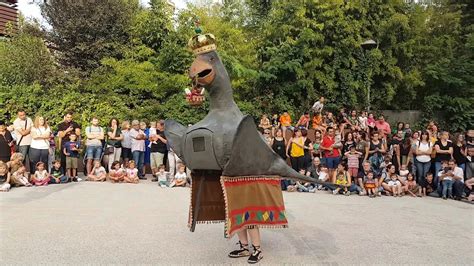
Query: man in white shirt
(138, 147)
(454, 174)
(22, 129)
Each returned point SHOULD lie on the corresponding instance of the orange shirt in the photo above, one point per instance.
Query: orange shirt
(317, 121)
(285, 120)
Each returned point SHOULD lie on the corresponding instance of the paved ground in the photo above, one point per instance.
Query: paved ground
(92, 223)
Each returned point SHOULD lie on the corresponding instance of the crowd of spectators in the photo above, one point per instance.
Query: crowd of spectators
(351, 152)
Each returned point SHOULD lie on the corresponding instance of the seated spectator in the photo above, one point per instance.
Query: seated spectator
(57, 176)
(318, 106)
(371, 123)
(116, 173)
(265, 123)
(267, 137)
(20, 177)
(342, 179)
(342, 119)
(362, 176)
(451, 180)
(41, 175)
(131, 173)
(97, 173)
(317, 122)
(385, 178)
(303, 122)
(180, 177)
(353, 121)
(71, 152)
(370, 185)
(395, 185)
(429, 187)
(412, 187)
(329, 121)
(305, 187)
(363, 121)
(4, 177)
(470, 162)
(382, 126)
(163, 176)
(469, 183)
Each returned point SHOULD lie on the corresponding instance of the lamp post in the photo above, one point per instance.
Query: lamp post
(368, 45)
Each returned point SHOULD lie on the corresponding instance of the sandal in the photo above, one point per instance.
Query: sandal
(256, 255)
(242, 252)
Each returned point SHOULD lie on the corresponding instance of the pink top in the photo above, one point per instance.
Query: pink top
(132, 172)
(383, 126)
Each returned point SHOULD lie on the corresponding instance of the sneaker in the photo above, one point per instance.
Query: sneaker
(320, 187)
(445, 198)
(256, 255)
(379, 194)
(163, 186)
(313, 190)
(172, 184)
(334, 192)
(362, 194)
(75, 179)
(347, 193)
(242, 252)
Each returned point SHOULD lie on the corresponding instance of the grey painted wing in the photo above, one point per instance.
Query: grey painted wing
(174, 133)
(251, 156)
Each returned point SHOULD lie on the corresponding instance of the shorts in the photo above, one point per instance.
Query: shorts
(353, 171)
(331, 162)
(126, 153)
(156, 159)
(93, 152)
(71, 162)
(393, 183)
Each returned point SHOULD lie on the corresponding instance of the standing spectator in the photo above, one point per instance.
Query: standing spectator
(114, 138)
(308, 148)
(342, 120)
(400, 128)
(158, 149)
(126, 143)
(444, 152)
(285, 122)
(382, 126)
(39, 150)
(279, 144)
(361, 144)
(275, 124)
(138, 147)
(330, 152)
(354, 121)
(52, 151)
(318, 106)
(296, 143)
(404, 151)
(173, 161)
(22, 126)
(65, 129)
(371, 123)
(353, 157)
(470, 138)
(423, 157)
(6, 142)
(95, 136)
(71, 151)
(348, 143)
(303, 122)
(460, 152)
(374, 152)
(317, 143)
(264, 123)
(146, 157)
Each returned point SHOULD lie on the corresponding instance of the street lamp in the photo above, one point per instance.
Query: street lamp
(368, 45)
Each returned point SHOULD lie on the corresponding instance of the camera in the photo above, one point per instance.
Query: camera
(447, 169)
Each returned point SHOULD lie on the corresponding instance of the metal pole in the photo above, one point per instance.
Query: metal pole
(368, 95)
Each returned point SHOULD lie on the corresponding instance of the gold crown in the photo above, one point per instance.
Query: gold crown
(202, 43)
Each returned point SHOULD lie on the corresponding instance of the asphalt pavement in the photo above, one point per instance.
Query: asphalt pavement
(104, 223)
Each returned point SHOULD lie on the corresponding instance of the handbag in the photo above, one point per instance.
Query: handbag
(109, 150)
(16, 147)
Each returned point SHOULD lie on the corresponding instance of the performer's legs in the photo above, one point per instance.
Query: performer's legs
(257, 255)
(243, 251)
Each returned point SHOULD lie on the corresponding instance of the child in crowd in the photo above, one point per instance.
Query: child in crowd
(353, 161)
(285, 122)
(71, 151)
(41, 175)
(20, 177)
(57, 175)
(342, 180)
(180, 177)
(275, 124)
(97, 173)
(428, 187)
(131, 173)
(4, 177)
(117, 173)
(371, 185)
(404, 172)
(412, 187)
(395, 185)
(363, 121)
(317, 122)
(162, 176)
(338, 140)
(371, 121)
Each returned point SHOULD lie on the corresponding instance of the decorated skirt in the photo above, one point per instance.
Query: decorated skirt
(240, 202)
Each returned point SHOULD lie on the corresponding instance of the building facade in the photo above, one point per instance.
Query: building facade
(8, 15)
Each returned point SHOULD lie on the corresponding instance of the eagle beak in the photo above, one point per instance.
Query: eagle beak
(201, 72)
